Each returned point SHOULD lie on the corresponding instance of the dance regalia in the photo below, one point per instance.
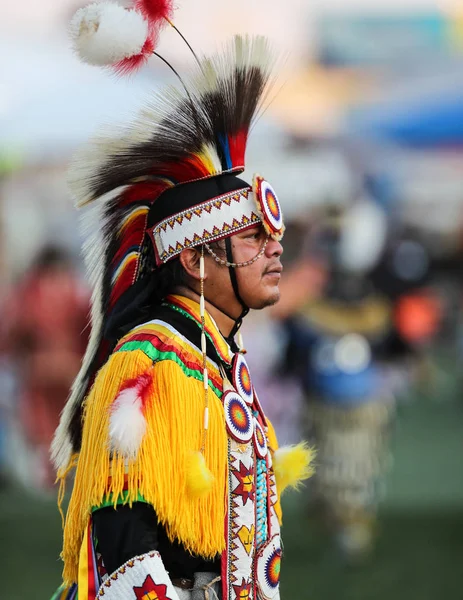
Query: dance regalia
(176, 466)
(156, 371)
(349, 411)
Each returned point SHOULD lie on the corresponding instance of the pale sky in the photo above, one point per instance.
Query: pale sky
(287, 22)
(37, 55)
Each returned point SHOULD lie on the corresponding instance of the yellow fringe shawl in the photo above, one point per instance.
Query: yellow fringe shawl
(174, 415)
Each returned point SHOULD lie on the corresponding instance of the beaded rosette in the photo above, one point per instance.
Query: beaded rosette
(268, 207)
(251, 565)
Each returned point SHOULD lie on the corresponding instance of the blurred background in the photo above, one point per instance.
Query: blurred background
(363, 141)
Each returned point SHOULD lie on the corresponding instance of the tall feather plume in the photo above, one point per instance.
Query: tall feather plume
(188, 138)
(181, 136)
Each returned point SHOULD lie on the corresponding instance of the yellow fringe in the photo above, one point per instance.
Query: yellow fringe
(199, 479)
(174, 415)
(62, 478)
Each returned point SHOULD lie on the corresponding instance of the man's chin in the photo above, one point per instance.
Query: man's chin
(270, 300)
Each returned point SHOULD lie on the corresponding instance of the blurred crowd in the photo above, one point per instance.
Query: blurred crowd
(43, 337)
(364, 310)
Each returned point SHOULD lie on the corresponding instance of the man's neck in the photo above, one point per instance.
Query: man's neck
(223, 321)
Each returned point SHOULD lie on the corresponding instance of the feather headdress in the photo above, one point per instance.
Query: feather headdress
(139, 186)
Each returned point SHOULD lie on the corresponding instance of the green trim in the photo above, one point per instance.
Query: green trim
(188, 316)
(146, 347)
(198, 323)
(156, 356)
(122, 499)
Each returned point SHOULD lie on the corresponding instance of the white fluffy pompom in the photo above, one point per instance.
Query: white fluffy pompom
(105, 33)
(127, 424)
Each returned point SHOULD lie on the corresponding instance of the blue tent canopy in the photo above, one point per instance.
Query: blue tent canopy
(423, 120)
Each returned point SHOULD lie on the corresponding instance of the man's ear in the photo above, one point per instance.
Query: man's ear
(189, 259)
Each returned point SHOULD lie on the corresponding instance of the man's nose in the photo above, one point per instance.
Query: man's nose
(273, 248)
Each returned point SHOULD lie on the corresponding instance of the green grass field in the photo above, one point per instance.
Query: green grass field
(419, 554)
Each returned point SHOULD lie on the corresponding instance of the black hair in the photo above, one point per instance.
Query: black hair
(154, 284)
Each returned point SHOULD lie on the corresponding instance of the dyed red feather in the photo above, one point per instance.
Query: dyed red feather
(124, 281)
(134, 238)
(189, 169)
(149, 191)
(155, 11)
(237, 148)
(142, 384)
(158, 13)
(133, 63)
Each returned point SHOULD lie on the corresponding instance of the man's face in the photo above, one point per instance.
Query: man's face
(258, 283)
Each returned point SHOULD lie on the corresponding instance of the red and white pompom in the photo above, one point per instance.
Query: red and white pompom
(157, 13)
(127, 423)
(106, 34)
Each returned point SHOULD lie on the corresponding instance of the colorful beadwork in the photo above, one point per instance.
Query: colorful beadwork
(211, 220)
(273, 569)
(142, 577)
(260, 440)
(261, 502)
(269, 207)
(238, 417)
(268, 569)
(240, 523)
(150, 591)
(241, 378)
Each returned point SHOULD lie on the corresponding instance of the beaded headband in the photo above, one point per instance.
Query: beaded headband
(219, 218)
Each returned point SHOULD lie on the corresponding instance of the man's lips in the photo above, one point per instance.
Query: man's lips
(274, 270)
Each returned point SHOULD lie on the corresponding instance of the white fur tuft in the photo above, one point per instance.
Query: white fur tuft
(105, 33)
(127, 423)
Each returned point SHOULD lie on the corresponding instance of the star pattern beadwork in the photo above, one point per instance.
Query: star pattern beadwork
(245, 487)
(243, 591)
(150, 591)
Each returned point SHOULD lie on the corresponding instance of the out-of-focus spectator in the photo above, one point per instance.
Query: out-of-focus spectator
(340, 348)
(44, 337)
(264, 337)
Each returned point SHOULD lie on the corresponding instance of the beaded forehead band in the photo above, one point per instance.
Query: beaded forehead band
(219, 218)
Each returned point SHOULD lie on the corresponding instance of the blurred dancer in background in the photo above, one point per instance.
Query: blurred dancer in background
(346, 349)
(44, 337)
